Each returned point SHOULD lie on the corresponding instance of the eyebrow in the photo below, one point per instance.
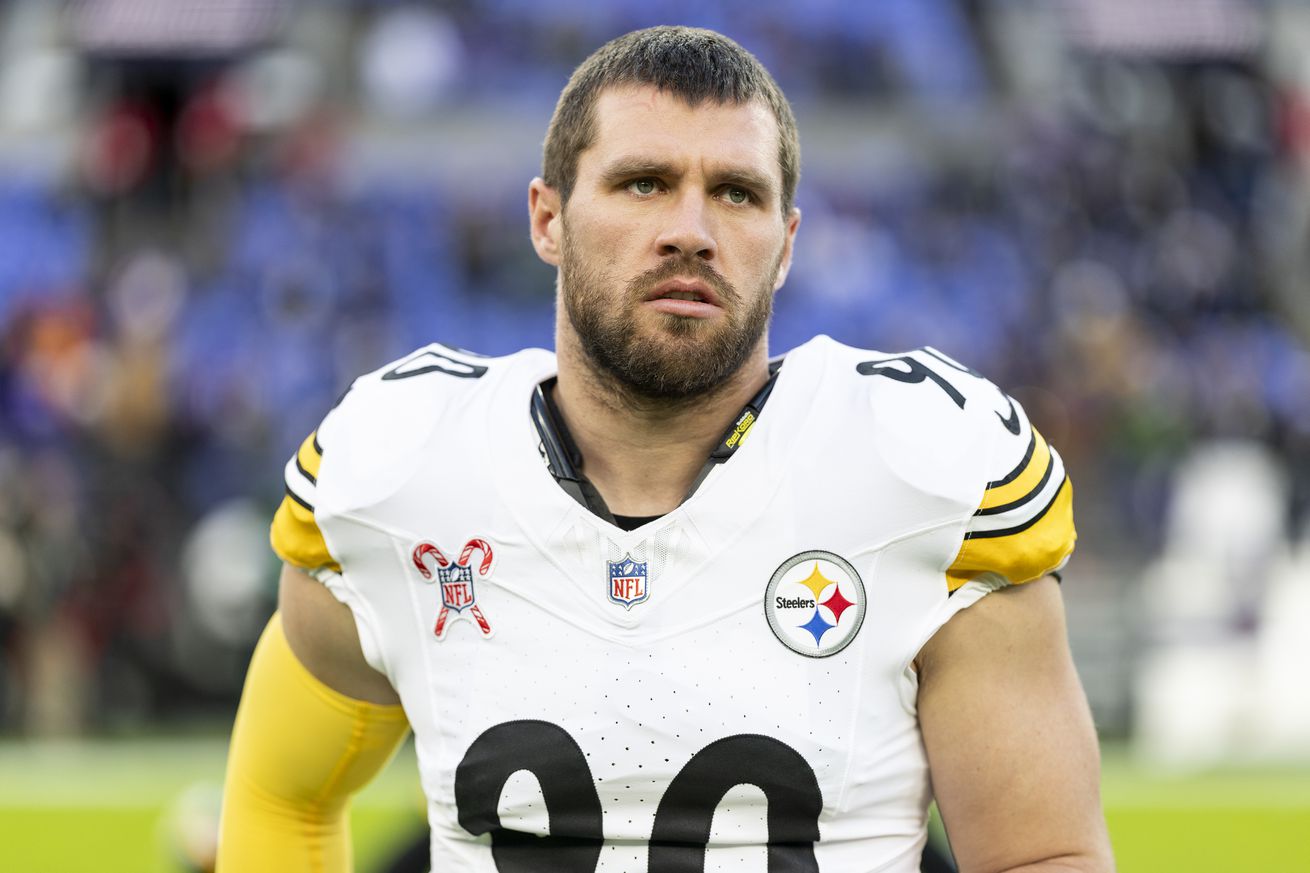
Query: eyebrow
(748, 179)
(624, 169)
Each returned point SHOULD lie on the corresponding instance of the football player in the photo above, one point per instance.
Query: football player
(655, 601)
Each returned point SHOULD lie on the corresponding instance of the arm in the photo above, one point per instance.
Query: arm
(322, 633)
(1012, 750)
(315, 724)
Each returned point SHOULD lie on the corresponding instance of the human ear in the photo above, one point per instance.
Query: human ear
(545, 212)
(784, 263)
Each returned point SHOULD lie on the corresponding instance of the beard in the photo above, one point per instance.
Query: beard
(683, 358)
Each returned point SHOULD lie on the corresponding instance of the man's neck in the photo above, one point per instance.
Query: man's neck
(642, 454)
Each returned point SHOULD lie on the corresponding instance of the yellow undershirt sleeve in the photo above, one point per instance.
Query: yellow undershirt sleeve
(299, 751)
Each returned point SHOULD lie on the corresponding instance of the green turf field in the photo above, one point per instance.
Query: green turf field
(105, 806)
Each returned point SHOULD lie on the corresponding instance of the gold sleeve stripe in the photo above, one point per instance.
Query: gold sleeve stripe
(295, 536)
(1023, 463)
(987, 509)
(1010, 531)
(300, 500)
(1021, 553)
(1023, 480)
(309, 457)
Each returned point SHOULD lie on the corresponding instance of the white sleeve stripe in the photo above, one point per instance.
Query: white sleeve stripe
(1031, 495)
(1020, 528)
(296, 497)
(1033, 505)
(301, 467)
(298, 484)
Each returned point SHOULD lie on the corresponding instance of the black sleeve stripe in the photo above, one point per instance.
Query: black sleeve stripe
(1023, 464)
(317, 447)
(302, 501)
(308, 475)
(1037, 489)
(1010, 531)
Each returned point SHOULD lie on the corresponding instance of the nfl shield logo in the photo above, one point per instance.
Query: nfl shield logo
(628, 581)
(456, 587)
(456, 582)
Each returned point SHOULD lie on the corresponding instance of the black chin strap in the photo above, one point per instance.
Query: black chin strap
(564, 460)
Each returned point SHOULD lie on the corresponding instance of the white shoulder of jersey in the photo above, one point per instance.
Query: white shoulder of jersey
(375, 436)
(947, 430)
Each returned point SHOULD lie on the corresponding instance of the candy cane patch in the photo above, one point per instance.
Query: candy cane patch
(456, 581)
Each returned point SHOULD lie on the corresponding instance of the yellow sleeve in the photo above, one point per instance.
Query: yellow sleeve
(299, 751)
(295, 535)
(1023, 528)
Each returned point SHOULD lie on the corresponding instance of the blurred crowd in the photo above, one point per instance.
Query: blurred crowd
(212, 219)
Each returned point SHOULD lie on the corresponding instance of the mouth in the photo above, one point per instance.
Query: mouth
(695, 294)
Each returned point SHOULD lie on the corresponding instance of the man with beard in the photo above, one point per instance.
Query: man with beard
(655, 601)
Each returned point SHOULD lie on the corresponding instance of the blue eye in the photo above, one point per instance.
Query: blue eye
(738, 196)
(643, 186)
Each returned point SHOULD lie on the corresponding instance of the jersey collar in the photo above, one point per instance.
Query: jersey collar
(564, 460)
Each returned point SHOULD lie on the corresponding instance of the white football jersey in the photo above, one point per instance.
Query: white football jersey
(727, 687)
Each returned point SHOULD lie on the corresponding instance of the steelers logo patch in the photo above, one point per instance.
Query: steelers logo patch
(815, 603)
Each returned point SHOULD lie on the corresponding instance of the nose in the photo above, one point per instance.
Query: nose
(687, 230)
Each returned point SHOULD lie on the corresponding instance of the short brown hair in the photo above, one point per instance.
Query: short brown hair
(688, 62)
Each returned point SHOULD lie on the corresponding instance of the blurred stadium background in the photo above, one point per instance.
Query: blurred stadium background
(214, 214)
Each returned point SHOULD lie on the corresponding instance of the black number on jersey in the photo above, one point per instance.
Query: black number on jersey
(685, 813)
(572, 805)
(682, 820)
(429, 361)
(916, 371)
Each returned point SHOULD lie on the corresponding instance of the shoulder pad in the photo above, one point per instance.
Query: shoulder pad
(943, 426)
(1022, 525)
(964, 387)
(376, 434)
(937, 423)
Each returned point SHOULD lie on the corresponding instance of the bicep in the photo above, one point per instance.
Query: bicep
(1012, 750)
(323, 636)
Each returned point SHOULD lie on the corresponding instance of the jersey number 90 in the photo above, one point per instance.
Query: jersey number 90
(682, 819)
